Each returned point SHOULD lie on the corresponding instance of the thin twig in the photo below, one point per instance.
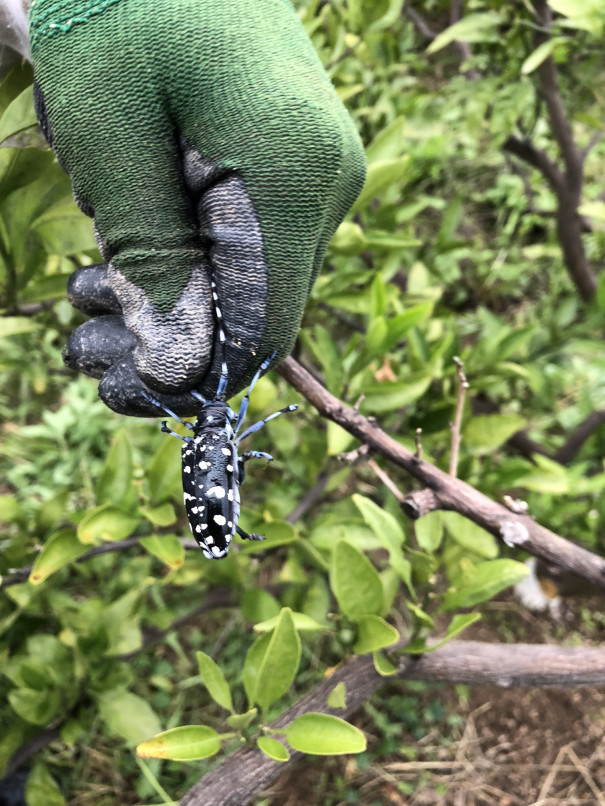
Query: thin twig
(386, 480)
(457, 424)
(417, 435)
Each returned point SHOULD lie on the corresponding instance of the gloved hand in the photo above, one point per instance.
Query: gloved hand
(205, 138)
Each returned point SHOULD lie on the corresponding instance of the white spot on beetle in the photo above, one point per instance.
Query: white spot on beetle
(204, 465)
(230, 495)
(216, 551)
(207, 554)
(204, 526)
(220, 519)
(226, 451)
(229, 468)
(186, 469)
(194, 510)
(198, 528)
(217, 491)
(188, 497)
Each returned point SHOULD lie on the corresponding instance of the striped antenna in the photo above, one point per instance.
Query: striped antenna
(224, 377)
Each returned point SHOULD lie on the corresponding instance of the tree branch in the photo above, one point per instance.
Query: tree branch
(450, 493)
(247, 771)
(526, 151)
(579, 436)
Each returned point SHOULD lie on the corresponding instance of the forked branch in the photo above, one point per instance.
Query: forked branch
(447, 492)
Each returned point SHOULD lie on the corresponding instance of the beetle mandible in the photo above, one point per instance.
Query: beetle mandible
(213, 471)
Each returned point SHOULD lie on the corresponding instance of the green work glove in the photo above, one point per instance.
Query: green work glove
(207, 141)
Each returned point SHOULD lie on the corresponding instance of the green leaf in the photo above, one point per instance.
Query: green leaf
(489, 578)
(18, 115)
(127, 715)
(14, 325)
(470, 536)
(167, 548)
(471, 28)
(105, 523)
(593, 209)
(484, 434)
(388, 144)
(41, 787)
(383, 665)
(348, 239)
(540, 54)
(381, 176)
(164, 472)
(259, 605)
(458, 624)
(391, 395)
(323, 735)
(273, 748)
(374, 633)
(381, 522)
(64, 230)
(10, 510)
(214, 680)
(276, 533)
(114, 482)
(301, 621)
(389, 533)
(272, 662)
(337, 439)
(547, 476)
(59, 550)
(355, 582)
(187, 743)
(40, 289)
(429, 531)
(162, 515)
(337, 698)
(242, 721)
(32, 705)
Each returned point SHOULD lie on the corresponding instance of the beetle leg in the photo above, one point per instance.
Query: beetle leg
(257, 426)
(244, 407)
(247, 536)
(167, 430)
(167, 410)
(255, 455)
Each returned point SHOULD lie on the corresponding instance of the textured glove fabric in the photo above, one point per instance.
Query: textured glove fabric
(206, 139)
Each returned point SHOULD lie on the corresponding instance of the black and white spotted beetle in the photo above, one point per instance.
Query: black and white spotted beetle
(212, 469)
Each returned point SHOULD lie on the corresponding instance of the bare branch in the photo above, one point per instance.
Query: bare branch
(551, 93)
(386, 480)
(418, 21)
(526, 151)
(247, 771)
(579, 436)
(450, 493)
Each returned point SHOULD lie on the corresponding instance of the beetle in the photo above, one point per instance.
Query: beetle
(212, 468)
